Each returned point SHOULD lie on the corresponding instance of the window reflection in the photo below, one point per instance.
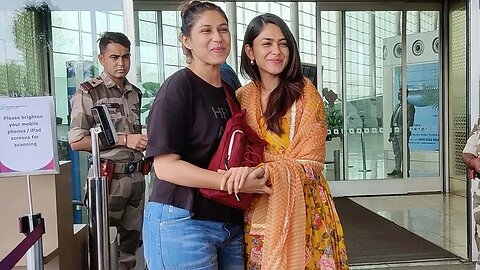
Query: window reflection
(24, 43)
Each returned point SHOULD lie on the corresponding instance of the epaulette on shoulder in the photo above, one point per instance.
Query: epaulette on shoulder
(89, 85)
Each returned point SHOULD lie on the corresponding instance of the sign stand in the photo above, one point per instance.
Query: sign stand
(35, 253)
(27, 125)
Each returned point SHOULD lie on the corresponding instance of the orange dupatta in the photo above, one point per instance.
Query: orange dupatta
(280, 218)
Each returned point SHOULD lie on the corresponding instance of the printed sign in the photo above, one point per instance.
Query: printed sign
(27, 136)
(422, 82)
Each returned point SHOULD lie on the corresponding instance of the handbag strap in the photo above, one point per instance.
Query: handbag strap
(234, 107)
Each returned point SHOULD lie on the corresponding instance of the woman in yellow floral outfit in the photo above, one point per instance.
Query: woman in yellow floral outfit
(297, 227)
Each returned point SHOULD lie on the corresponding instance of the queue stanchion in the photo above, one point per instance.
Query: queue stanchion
(362, 143)
(35, 253)
(99, 229)
(98, 211)
(32, 238)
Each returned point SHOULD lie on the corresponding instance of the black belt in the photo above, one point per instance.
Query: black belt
(128, 167)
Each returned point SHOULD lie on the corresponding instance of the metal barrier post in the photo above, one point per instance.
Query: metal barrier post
(336, 165)
(362, 142)
(35, 256)
(364, 159)
(98, 211)
(35, 253)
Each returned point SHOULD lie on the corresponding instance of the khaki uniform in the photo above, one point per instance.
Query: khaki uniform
(473, 147)
(126, 202)
(396, 135)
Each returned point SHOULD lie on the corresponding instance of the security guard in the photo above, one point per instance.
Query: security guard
(470, 156)
(123, 100)
(396, 135)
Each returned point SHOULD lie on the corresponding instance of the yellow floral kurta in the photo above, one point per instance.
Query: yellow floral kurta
(324, 242)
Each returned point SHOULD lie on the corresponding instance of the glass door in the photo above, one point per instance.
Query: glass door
(378, 144)
(158, 51)
(361, 65)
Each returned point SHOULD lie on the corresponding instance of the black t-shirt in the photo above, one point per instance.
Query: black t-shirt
(187, 118)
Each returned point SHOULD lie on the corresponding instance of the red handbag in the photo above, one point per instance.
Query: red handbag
(239, 146)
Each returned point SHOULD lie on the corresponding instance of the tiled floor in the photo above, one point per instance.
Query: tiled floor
(439, 218)
(377, 158)
(421, 266)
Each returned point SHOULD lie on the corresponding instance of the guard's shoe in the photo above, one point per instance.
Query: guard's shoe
(394, 173)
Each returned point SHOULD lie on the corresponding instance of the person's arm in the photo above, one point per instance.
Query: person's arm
(471, 161)
(469, 153)
(134, 141)
(81, 121)
(84, 144)
(171, 168)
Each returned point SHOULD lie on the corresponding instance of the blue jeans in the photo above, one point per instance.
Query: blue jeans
(173, 240)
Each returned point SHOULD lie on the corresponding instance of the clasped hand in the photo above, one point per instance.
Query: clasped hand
(137, 142)
(475, 163)
(246, 180)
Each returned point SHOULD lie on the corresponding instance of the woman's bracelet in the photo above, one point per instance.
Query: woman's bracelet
(125, 140)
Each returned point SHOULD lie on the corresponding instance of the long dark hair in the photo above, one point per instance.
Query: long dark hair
(290, 88)
(189, 12)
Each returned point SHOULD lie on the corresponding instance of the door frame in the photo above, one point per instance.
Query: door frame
(398, 185)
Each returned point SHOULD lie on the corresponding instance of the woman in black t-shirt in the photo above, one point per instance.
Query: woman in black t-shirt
(182, 229)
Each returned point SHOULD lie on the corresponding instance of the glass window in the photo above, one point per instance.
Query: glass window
(66, 19)
(149, 73)
(148, 31)
(116, 22)
(169, 18)
(307, 34)
(66, 41)
(79, 46)
(22, 56)
(423, 81)
(86, 42)
(86, 21)
(170, 55)
(170, 35)
(149, 53)
(101, 22)
(150, 16)
(329, 50)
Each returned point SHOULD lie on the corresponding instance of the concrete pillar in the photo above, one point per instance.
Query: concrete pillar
(294, 22)
(231, 11)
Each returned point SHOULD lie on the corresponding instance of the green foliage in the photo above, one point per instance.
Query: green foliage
(26, 77)
(334, 116)
(151, 89)
(12, 81)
